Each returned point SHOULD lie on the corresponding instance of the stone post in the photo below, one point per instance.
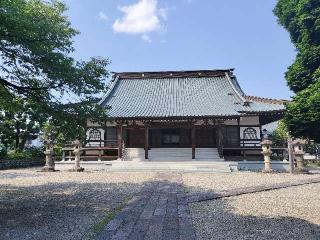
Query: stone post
(298, 151)
(49, 166)
(77, 152)
(266, 151)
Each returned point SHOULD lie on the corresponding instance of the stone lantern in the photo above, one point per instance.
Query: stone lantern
(77, 153)
(298, 151)
(266, 151)
(49, 166)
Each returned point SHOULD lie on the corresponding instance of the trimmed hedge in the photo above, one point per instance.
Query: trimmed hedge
(21, 163)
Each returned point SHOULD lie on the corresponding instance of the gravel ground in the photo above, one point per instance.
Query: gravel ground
(218, 182)
(61, 205)
(65, 205)
(291, 213)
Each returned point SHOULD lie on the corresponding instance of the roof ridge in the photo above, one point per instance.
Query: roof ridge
(172, 74)
(265, 100)
(235, 88)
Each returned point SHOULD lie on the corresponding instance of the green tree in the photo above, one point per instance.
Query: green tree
(37, 67)
(301, 18)
(280, 134)
(18, 126)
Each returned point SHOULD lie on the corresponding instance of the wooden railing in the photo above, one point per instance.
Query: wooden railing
(250, 143)
(101, 143)
(96, 149)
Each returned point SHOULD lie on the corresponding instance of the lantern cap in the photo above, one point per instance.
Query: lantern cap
(266, 142)
(299, 141)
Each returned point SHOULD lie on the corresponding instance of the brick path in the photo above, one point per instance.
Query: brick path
(161, 211)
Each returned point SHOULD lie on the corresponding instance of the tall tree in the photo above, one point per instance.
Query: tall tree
(17, 128)
(37, 67)
(301, 18)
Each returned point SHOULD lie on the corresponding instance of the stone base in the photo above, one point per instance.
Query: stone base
(301, 170)
(48, 169)
(268, 171)
(77, 169)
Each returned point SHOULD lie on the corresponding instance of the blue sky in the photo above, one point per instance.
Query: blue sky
(152, 35)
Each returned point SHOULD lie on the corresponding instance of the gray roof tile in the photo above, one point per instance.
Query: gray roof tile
(179, 97)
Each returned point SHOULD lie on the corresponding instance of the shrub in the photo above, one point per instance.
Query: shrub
(3, 153)
(29, 153)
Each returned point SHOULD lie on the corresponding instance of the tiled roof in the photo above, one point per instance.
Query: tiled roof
(180, 94)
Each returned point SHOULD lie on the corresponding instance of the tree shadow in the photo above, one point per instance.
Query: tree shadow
(219, 220)
(68, 210)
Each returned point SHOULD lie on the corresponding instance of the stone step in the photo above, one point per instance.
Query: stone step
(191, 166)
(169, 168)
(171, 154)
(123, 166)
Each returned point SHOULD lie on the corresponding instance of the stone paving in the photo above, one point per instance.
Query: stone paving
(161, 211)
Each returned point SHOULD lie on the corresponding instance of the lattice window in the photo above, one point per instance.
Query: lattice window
(250, 133)
(94, 135)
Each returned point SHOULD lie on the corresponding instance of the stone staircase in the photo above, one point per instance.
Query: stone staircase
(171, 159)
(172, 154)
(187, 166)
(160, 160)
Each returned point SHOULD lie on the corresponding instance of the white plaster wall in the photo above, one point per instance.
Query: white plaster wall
(255, 128)
(250, 143)
(249, 120)
(94, 144)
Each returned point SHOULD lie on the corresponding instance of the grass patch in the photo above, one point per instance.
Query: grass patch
(98, 227)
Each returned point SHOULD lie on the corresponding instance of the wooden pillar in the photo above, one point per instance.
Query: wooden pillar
(146, 146)
(193, 142)
(119, 136)
(220, 140)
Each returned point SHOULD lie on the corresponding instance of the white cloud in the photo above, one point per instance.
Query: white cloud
(146, 38)
(103, 16)
(140, 18)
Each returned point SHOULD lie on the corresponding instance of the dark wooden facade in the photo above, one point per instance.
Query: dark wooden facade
(172, 137)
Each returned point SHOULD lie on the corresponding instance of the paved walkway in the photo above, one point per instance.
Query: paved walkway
(161, 211)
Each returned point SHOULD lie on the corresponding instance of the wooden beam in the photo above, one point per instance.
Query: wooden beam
(146, 146)
(193, 142)
(119, 136)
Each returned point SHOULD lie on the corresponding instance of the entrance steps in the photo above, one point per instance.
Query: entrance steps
(172, 154)
(147, 166)
(161, 159)
(187, 166)
(171, 159)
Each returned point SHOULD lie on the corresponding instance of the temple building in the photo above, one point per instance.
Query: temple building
(181, 114)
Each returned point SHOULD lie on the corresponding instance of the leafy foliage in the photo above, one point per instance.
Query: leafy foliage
(302, 20)
(28, 154)
(37, 68)
(280, 135)
(16, 127)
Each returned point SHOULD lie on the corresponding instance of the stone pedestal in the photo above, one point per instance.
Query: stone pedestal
(266, 151)
(298, 151)
(77, 153)
(49, 167)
